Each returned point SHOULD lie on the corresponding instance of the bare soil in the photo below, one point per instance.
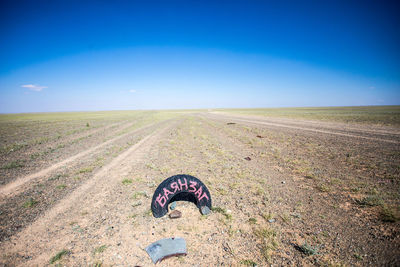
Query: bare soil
(284, 192)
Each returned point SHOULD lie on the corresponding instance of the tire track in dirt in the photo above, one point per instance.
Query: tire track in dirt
(92, 131)
(45, 155)
(11, 187)
(373, 129)
(69, 137)
(282, 125)
(47, 235)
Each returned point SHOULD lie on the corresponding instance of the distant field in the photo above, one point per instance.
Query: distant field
(382, 115)
(80, 116)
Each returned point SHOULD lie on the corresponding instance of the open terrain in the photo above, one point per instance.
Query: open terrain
(289, 187)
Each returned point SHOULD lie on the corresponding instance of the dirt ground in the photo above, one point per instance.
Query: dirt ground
(284, 192)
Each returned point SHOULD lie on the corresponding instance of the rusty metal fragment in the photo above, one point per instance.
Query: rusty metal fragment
(165, 248)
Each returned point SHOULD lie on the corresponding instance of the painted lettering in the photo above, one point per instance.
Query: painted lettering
(161, 200)
(174, 186)
(183, 184)
(192, 186)
(199, 192)
(204, 196)
(167, 192)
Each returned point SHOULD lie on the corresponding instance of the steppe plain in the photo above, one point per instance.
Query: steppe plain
(296, 187)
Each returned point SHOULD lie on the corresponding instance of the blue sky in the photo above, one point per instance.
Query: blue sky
(104, 55)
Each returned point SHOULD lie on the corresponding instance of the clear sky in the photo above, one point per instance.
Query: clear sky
(103, 55)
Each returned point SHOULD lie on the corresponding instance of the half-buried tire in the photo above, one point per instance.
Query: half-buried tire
(180, 187)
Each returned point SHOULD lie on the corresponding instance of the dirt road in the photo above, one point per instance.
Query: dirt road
(285, 192)
(381, 134)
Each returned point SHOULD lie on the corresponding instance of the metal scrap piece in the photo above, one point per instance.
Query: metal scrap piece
(165, 248)
(205, 210)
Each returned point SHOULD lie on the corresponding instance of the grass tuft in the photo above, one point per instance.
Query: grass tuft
(323, 188)
(248, 262)
(252, 220)
(127, 181)
(57, 176)
(59, 255)
(100, 249)
(30, 203)
(85, 170)
(139, 194)
(61, 186)
(13, 165)
(371, 200)
(307, 249)
(269, 241)
(223, 212)
(388, 214)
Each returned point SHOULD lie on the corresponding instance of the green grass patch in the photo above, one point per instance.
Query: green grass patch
(371, 200)
(59, 255)
(323, 188)
(13, 165)
(61, 186)
(269, 243)
(86, 170)
(100, 249)
(127, 181)
(223, 212)
(30, 203)
(248, 262)
(307, 249)
(13, 147)
(139, 194)
(57, 176)
(358, 256)
(389, 214)
(252, 220)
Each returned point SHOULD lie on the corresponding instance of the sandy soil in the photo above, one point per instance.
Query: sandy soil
(285, 192)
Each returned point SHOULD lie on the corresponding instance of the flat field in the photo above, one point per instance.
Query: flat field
(380, 115)
(298, 187)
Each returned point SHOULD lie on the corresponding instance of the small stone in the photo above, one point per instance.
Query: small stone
(271, 220)
(247, 158)
(173, 205)
(283, 182)
(205, 210)
(175, 214)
